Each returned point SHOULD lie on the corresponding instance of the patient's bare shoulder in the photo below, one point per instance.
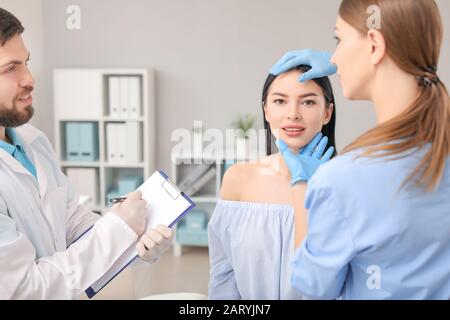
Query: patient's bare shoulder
(233, 181)
(241, 176)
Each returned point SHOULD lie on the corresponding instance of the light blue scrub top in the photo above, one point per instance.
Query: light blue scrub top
(251, 246)
(17, 151)
(367, 240)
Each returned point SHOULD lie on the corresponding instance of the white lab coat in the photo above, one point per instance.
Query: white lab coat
(40, 219)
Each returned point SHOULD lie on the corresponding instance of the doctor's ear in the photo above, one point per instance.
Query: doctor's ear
(377, 46)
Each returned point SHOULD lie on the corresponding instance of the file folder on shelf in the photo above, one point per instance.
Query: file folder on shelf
(114, 97)
(134, 97)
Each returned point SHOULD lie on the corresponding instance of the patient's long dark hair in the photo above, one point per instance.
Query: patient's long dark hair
(327, 130)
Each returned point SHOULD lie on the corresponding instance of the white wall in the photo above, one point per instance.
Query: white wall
(211, 56)
(31, 15)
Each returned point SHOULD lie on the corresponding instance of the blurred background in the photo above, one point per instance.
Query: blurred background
(194, 60)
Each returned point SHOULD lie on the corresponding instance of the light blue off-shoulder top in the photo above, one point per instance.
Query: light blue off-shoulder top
(251, 246)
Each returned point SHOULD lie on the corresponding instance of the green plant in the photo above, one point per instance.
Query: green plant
(244, 124)
(197, 128)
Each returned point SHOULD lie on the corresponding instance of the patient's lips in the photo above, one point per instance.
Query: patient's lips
(293, 130)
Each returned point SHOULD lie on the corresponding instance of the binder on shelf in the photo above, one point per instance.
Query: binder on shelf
(72, 141)
(196, 173)
(111, 142)
(81, 141)
(121, 136)
(88, 132)
(134, 97)
(201, 182)
(114, 97)
(133, 144)
(124, 142)
(124, 100)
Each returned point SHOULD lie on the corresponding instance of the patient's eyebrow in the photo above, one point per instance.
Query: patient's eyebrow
(280, 94)
(310, 94)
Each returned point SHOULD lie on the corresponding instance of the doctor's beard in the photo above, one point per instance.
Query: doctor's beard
(15, 117)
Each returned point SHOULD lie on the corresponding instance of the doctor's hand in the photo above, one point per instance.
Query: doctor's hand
(154, 243)
(303, 165)
(132, 211)
(319, 61)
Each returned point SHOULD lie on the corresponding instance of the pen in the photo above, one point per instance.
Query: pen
(117, 200)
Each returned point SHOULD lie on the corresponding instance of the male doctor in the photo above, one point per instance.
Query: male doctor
(39, 214)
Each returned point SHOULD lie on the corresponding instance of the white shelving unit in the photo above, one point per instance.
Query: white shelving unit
(206, 198)
(82, 95)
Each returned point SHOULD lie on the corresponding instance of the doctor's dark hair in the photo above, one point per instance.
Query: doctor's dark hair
(9, 26)
(327, 130)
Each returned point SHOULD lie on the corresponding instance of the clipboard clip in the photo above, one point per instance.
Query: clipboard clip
(171, 189)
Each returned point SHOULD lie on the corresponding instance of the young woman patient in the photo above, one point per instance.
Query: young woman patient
(251, 232)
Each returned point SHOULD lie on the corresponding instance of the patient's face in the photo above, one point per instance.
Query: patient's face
(296, 111)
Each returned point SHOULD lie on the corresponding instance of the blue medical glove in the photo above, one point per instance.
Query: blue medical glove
(303, 165)
(319, 61)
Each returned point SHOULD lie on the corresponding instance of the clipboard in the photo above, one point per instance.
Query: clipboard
(166, 204)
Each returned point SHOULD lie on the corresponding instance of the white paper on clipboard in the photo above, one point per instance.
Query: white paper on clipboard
(166, 205)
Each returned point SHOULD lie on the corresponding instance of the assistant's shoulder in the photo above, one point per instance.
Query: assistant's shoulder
(330, 184)
(340, 163)
(336, 171)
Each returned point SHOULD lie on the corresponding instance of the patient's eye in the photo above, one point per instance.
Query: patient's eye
(279, 101)
(309, 103)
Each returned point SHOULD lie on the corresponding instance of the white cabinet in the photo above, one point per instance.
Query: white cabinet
(188, 167)
(205, 197)
(89, 96)
(78, 94)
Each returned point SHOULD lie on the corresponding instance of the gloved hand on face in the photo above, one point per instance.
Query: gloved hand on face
(320, 62)
(303, 165)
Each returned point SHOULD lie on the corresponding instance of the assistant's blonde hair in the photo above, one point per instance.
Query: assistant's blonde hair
(413, 33)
